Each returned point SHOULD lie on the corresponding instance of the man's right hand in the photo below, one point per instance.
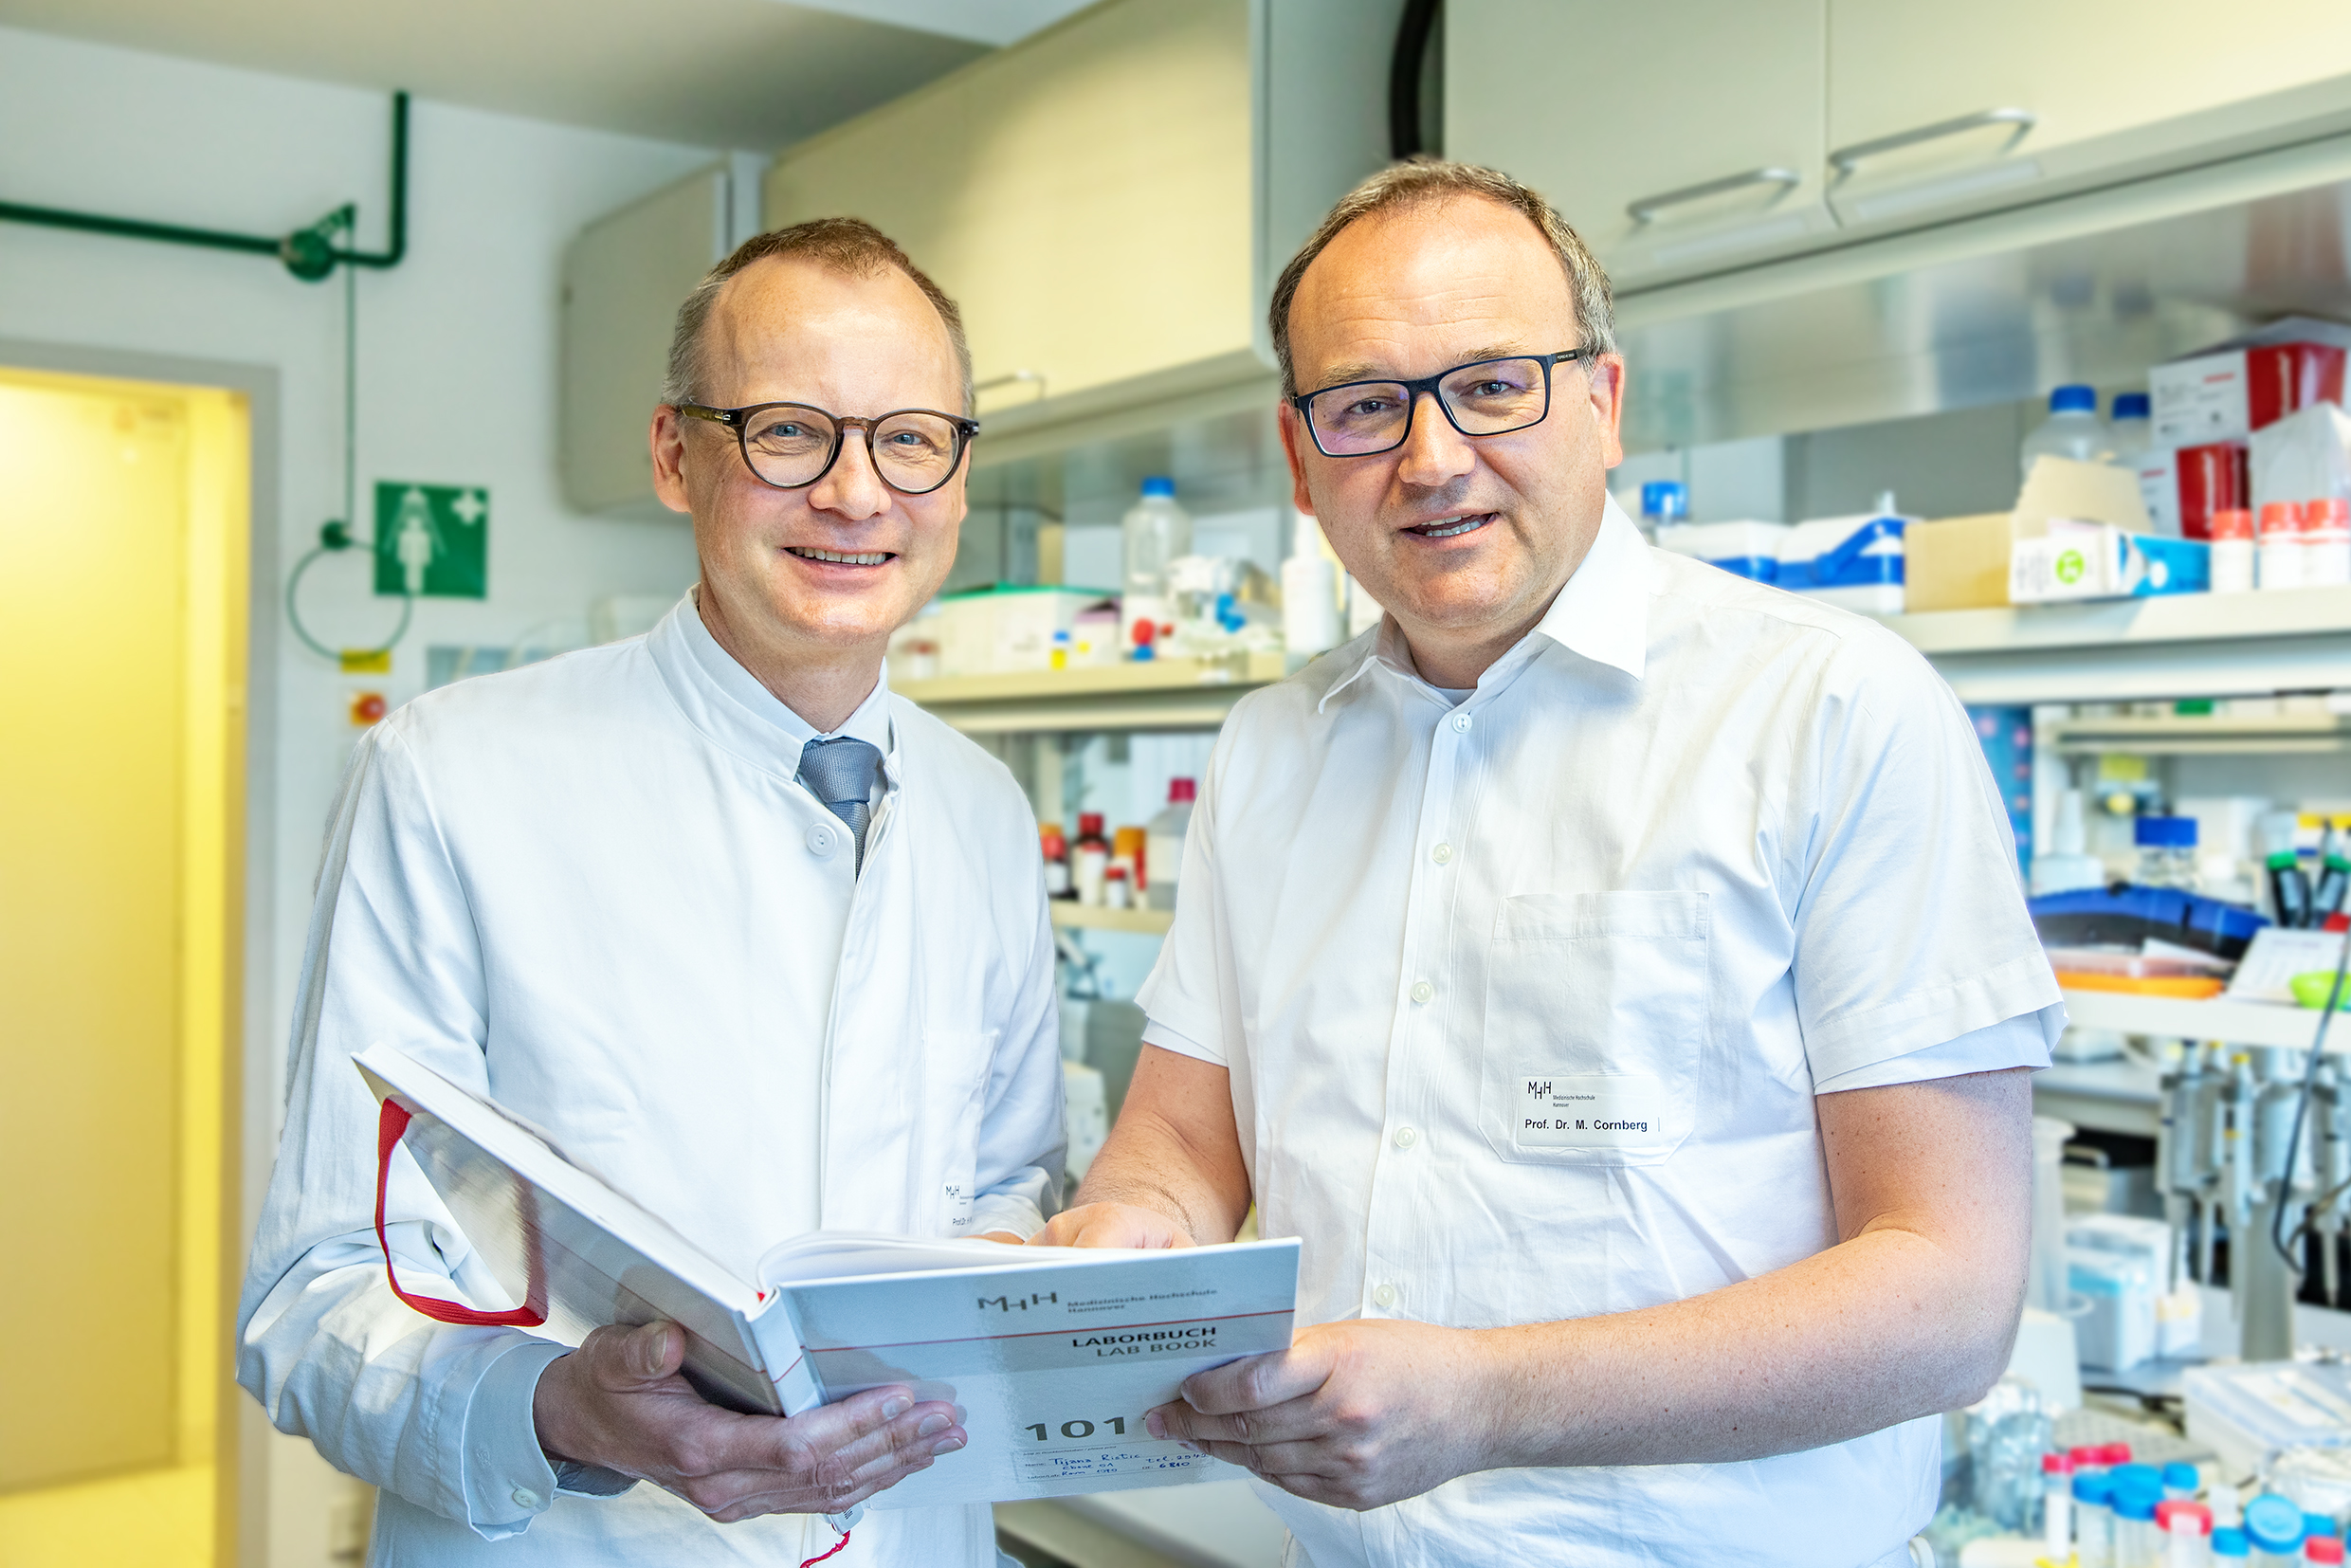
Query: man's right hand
(1111, 1225)
(619, 1401)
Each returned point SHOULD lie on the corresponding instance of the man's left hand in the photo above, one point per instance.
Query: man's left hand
(1356, 1414)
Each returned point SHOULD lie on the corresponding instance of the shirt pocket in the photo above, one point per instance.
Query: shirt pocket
(955, 1067)
(1595, 1026)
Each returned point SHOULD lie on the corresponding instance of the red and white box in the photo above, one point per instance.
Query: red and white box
(2236, 387)
(2184, 485)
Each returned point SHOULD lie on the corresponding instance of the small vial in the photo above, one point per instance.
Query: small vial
(2093, 1521)
(2134, 1530)
(2232, 552)
(1114, 893)
(2057, 1503)
(2326, 1549)
(2280, 534)
(2274, 1527)
(2181, 1481)
(2229, 1546)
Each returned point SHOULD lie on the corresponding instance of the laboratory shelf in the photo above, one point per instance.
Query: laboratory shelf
(1094, 917)
(2184, 644)
(2170, 1017)
(2192, 734)
(1160, 694)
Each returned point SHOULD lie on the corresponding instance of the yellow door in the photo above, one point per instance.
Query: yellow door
(122, 525)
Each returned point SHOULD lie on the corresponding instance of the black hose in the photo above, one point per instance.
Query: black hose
(1404, 74)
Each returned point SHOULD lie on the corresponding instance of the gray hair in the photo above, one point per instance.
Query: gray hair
(1424, 182)
(845, 245)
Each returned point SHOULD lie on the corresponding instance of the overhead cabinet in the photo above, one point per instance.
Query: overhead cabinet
(1687, 138)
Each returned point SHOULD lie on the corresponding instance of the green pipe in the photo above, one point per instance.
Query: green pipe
(309, 253)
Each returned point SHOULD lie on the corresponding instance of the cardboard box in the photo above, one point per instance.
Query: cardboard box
(2184, 485)
(1005, 629)
(2232, 389)
(1963, 563)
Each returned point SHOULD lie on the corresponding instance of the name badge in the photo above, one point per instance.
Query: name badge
(1596, 1110)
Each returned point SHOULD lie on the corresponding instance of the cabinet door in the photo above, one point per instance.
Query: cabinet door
(1678, 137)
(1935, 110)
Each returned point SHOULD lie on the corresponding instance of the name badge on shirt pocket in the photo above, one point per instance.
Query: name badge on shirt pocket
(1602, 995)
(1591, 1110)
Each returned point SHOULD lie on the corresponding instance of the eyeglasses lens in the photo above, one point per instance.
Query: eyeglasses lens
(1371, 416)
(790, 447)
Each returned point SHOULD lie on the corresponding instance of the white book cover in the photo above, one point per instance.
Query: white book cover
(1051, 1353)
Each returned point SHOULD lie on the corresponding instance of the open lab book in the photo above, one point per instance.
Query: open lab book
(1053, 1354)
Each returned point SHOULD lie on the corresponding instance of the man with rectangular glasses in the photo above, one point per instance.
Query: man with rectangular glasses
(760, 943)
(1612, 969)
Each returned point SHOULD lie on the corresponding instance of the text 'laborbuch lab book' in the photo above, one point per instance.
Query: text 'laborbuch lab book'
(1053, 1354)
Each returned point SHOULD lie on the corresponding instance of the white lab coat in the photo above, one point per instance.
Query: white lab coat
(593, 890)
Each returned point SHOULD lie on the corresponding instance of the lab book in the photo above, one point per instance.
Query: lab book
(1052, 1353)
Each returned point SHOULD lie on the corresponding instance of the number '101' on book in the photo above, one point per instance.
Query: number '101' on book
(1053, 1354)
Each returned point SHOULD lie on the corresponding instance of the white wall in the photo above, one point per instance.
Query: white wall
(457, 348)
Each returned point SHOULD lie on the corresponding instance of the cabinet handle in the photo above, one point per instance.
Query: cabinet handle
(1845, 159)
(1649, 206)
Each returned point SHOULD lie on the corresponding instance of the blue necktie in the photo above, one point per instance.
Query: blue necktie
(841, 773)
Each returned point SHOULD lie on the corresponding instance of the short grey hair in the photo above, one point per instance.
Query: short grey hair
(845, 245)
(1424, 182)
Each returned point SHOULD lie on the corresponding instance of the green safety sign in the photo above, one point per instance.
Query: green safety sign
(432, 539)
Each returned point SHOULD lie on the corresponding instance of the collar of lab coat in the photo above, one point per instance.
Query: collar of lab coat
(1601, 615)
(727, 702)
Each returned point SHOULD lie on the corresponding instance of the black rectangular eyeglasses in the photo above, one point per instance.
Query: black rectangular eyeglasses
(1482, 397)
(791, 445)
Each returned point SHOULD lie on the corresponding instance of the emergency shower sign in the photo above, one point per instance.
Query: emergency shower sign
(432, 540)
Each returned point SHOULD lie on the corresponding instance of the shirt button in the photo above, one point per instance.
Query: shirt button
(1422, 990)
(822, 840)
(1442, 853)
(1406, 1137)
(525, 1498)
(1384, 1296)
(1461, 723)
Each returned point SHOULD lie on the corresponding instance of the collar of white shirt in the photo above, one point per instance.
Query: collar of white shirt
(1601, 615)
(785, 731)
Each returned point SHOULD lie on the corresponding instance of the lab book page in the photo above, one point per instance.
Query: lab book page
(1053, 1354)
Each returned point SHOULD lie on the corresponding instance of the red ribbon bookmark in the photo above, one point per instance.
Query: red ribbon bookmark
(390, 1126)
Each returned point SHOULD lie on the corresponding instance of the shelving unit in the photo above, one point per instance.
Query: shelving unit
(1091, 916)
(2203, 734)
(2169, 1017)
(1162, 694)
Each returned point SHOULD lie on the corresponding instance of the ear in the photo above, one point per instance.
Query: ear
(1293, 433)
(667, 437)
(1606, 381)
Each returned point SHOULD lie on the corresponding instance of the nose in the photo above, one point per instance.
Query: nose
(1433, 452)
(852, 488)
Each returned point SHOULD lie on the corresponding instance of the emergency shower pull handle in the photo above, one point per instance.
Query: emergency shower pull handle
(390, 1125)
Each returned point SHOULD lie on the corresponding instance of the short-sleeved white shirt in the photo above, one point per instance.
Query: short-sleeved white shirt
(1526, 999)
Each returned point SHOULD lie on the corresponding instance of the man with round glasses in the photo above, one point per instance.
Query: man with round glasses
(762, 944)
(1612, 969)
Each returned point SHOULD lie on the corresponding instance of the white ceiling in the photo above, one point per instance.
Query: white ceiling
(755, 74)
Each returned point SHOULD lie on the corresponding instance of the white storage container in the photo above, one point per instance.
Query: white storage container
(1855, 562)
(1005, 629)
(1749, 550)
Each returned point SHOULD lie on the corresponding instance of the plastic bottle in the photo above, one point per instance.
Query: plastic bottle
(2093, 1521)
(2166, 851)
(1089, 858)
(2072, 429)
(2057, 1503)
(1663, 502)
(1164, 851)
(2326, 1549)
(2062, 868)
(1056, 846)
(2130, 429)
(2273, 1527)
(1129, 847)
(2232, 550)
(1115, 894)
(2181, 1481)
(2229, 1545)
(2183, 1525)
(2280, 536)
(1155, 533)
(2325, 542)
(1309, 591)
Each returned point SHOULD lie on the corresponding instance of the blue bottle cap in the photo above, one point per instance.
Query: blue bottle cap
(2179, 1475)
(2074, 399)
(2165, 832)
(2228, 1541)
(2132, 406)
(1667, 500)
(2093, 1487)
(2136, 1477)
(2272, 1524)
(2318, 1525)
(2133, 1503)
(1160, 484)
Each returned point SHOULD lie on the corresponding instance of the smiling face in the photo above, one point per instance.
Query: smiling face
(1465, 540)
(831, 570)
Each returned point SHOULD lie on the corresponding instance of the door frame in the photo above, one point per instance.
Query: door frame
(248, 1059)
